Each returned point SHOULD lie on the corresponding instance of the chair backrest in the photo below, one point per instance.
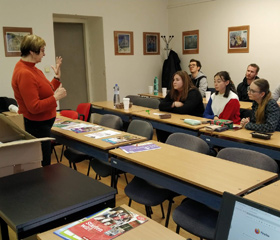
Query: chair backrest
(249, 158)
(111, 121)
(69, 113)
(141, 128)
(189, 142)
(147, 102)
(84, 109)
(133, 98)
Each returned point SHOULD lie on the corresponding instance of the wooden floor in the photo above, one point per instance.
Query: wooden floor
(121, 198)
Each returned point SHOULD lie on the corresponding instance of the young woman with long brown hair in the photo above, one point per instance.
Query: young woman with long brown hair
(265, 110)
(183, 98)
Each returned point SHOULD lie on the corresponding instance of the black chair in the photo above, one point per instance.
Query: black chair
(201, 220)
(150, 194)
(74, 156)
(104, 169)
(137, 127)
(133, 98)
(147, 102)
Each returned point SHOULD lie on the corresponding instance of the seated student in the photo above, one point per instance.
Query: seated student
(198, 78)
(251, 74)
(183, 98)
(266, 113)
(276, 95)
(224, 103)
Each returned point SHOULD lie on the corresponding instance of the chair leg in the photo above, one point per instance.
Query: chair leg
(74, 165)
(125, 178)
(168, 212)
(129, 202)
(162, 211)
(88, 168)
(148, 211)
(55, 155)
(177, 229)
(62, 151)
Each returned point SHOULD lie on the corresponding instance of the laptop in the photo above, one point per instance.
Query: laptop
(243, 219)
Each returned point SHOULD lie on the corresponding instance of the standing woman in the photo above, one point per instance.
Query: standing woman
(183, 98)
(224, 103)
(35, 94)
(265, 110)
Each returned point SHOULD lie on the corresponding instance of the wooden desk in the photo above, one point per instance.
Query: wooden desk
(242, 138)
(200, 177)
(243, 105)
(268, 195)
(147, 230)
(107, 107)
(93, 147)
(160, 96)
(48, 197)
(173, 124)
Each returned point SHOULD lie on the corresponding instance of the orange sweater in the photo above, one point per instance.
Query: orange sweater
(34, 92)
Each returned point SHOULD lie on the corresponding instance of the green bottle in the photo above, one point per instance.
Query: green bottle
(156, 86)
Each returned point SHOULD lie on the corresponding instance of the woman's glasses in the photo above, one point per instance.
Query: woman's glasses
(252, 91)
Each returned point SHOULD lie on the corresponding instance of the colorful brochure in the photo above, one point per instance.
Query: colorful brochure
(120, 139)
(104, 225)
(102, 134)
(140, 147)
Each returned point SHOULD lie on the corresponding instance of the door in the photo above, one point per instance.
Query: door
(69, 43)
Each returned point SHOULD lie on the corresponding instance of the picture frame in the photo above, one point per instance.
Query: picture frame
(151, 43)
(238, 39)
(190, 42)
(123, 43)
(12, 39)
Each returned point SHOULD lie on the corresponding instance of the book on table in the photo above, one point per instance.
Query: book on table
(105, 225)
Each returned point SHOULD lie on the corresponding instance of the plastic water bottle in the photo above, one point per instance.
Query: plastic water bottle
(156, 86)
(116, 94)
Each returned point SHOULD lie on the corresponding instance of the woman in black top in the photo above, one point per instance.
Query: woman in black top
(183, 98)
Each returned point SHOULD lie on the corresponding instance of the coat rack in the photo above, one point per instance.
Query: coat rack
(167, 43)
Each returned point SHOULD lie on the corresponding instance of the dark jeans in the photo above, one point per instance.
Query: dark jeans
(40, 129)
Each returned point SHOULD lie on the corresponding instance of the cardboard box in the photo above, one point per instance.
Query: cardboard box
(19, 151)
(16, 118)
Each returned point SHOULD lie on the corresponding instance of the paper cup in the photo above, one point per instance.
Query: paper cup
(164, 91)
(207, 95)
(151, 90)
(126, 103)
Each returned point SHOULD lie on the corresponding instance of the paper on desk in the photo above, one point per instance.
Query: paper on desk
(102, 134)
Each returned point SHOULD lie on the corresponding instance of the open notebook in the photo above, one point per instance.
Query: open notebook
(242, 219)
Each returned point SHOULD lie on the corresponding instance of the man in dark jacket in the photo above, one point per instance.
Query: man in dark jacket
(250, 76)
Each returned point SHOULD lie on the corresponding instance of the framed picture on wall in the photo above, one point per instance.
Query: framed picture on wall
(190, 41)
(12, 39)
(238, 39)
(151, 45)
(123, 43)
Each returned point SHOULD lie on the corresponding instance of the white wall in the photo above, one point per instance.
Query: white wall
(132, 73)
(169, 17)
(213, 19)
